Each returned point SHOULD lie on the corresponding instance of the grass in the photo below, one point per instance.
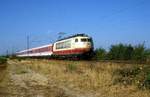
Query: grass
(103, 79)
(71, 67)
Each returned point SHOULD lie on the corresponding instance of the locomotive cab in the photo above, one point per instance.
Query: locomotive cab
(84, 43)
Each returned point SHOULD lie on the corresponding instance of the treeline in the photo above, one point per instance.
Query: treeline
(124, 52)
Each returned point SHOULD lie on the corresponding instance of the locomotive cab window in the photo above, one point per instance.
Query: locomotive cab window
(76, 40)
(83, 40)
(89, 40)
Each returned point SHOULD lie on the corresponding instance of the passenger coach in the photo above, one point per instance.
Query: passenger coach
(41, 51)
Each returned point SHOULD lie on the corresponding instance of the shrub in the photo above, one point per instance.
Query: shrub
(100, 54)
(147, 53)
(137, 75)
(120, 52)
(139, 53)
(124, 52)
(126, 76)
(147, 82)
(3, 60)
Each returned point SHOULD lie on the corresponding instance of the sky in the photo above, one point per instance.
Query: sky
(106, 21)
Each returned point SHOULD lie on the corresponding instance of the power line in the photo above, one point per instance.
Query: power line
(60, 35)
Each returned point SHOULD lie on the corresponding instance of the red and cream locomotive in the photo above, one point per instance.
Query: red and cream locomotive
(72, 46)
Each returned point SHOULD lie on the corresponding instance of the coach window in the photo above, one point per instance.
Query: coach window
(76, 40)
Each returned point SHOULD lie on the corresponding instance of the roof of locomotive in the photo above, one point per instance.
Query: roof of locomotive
(76, 35)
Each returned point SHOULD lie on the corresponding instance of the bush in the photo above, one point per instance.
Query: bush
(126, 76)
(3, 60)
(147, 53)
(137, 75)
(124, 52)
(100, 54)
(147, 82)
(117, 52)
(139, 53)
(120, 52)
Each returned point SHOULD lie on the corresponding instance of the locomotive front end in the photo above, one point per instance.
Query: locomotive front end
(84, 43)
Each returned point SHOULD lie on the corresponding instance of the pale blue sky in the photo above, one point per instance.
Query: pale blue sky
(107, 21)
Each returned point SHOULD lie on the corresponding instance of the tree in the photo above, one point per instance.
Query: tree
(100, 54)
(128, 52)
(117, 52)
(139, 53)
(147, 53)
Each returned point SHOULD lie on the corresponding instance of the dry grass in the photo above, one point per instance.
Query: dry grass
(85, 77)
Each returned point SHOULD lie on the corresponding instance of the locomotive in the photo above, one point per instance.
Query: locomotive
(79, 45)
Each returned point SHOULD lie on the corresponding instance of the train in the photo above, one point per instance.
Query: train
(75, 46)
